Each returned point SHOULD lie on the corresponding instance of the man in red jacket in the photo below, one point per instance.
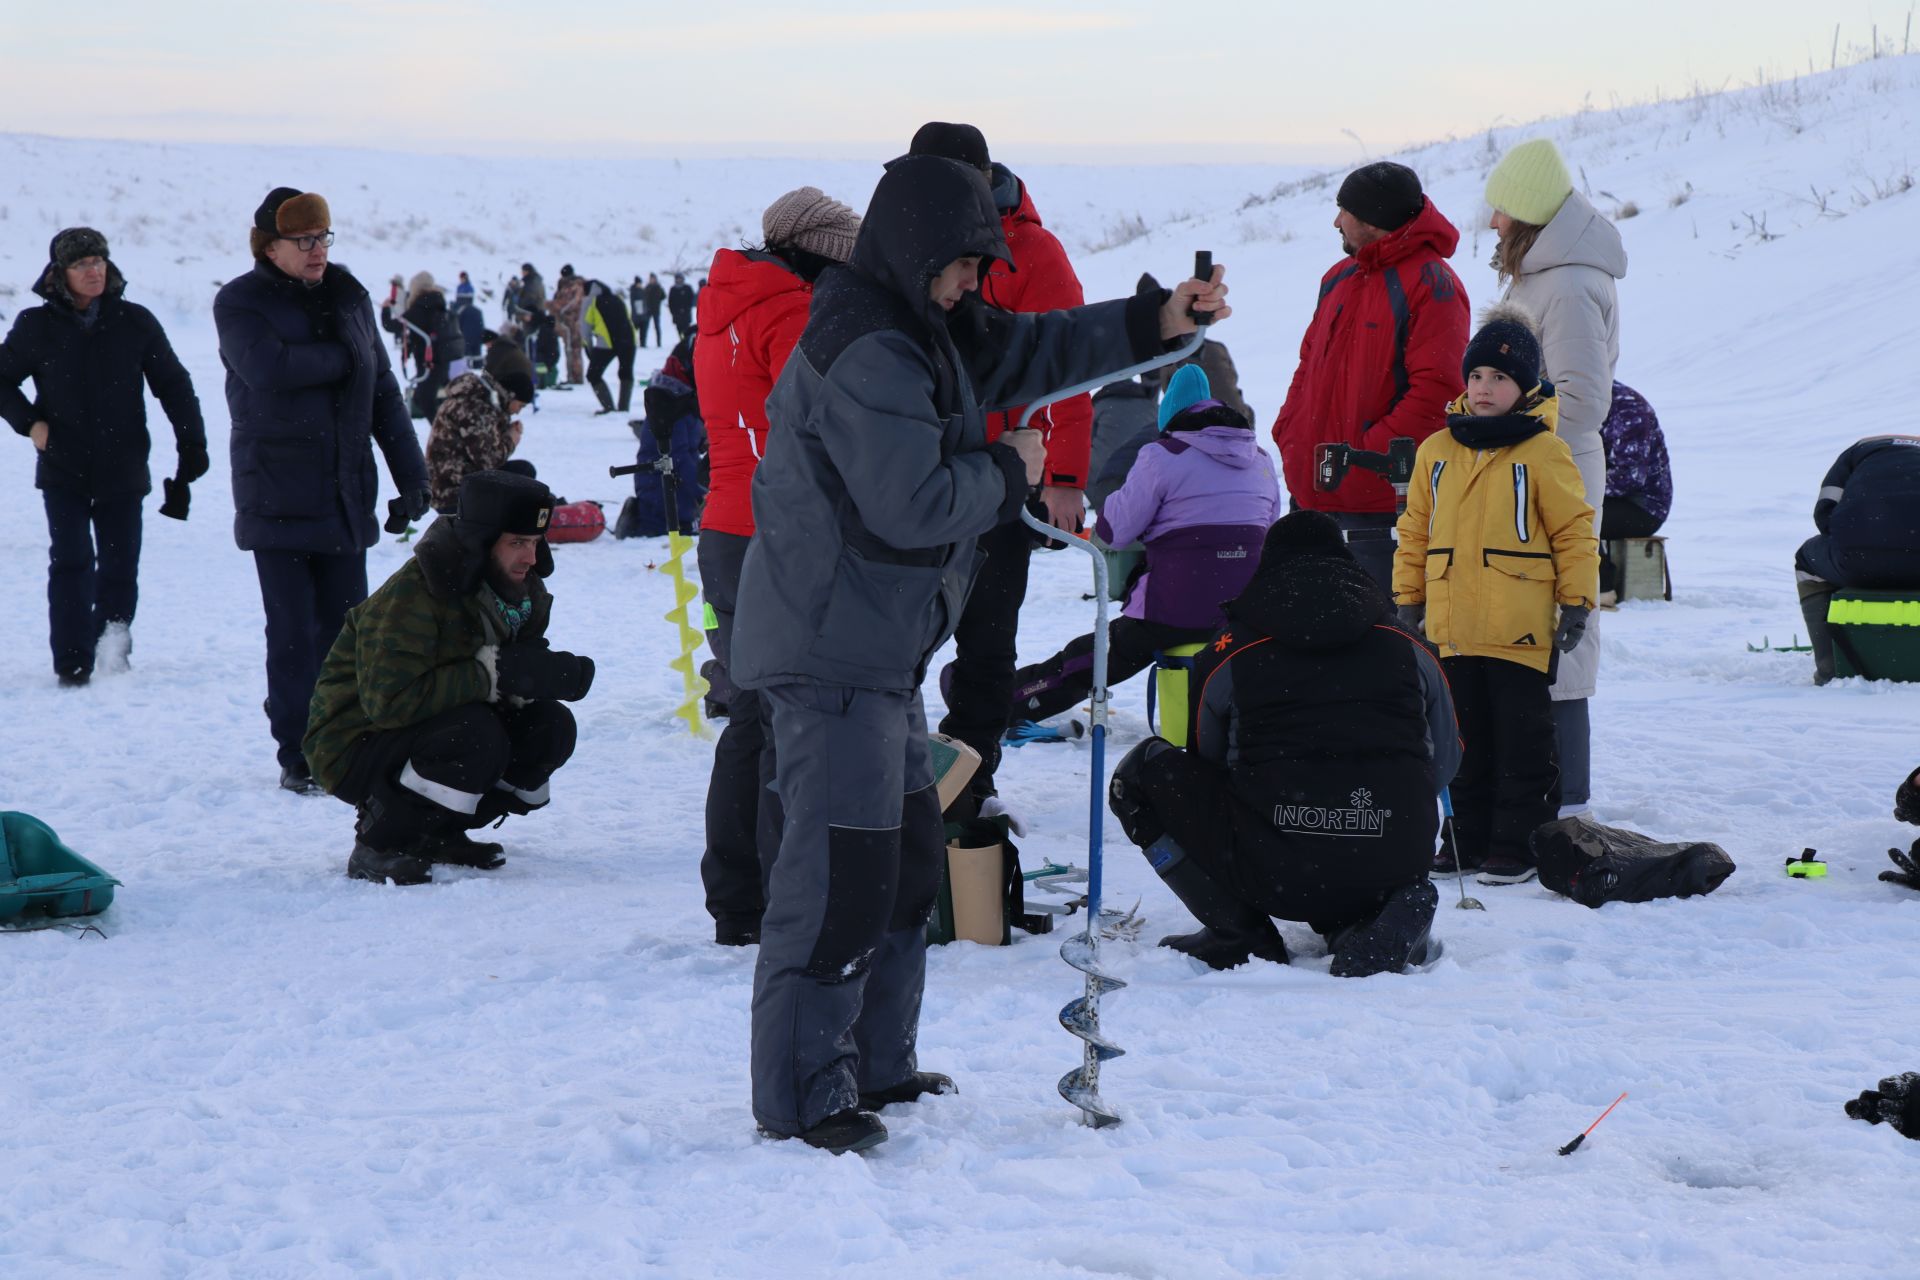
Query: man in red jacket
(751, 315)
(978, 684)
(1382, 355)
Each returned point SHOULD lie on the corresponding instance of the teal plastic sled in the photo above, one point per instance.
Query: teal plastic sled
(41, 877)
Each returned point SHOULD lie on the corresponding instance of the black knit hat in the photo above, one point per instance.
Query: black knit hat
(517, 383)
(1303, 533)
(1506, 342)
(1382, 194)
(503, 502)
(962, 142)
(75, 243)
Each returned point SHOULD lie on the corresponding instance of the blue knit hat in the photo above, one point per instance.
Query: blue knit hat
(1187, 388)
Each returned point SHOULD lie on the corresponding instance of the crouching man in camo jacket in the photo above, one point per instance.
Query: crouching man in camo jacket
(438, 709)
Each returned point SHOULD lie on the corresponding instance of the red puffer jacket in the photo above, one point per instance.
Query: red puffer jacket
(751, 315)
(1381, 359)
(1042, 280)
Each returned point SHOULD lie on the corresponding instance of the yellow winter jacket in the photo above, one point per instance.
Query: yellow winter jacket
(1493, 537)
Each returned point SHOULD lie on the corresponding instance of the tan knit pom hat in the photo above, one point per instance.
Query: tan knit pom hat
(810, 219)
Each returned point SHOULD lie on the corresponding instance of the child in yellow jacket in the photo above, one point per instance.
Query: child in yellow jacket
(1496, 533)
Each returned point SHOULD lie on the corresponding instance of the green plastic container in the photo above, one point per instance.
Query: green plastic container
(41, 877)
(1876, 634)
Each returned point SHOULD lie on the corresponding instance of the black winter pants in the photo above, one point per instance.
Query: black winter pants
(1370, 538)
(1241, 849)
(1048, 688)
(1509, 778)
(93, 567)
(306, 596)
(600, 357)
(471, 766)
(743, 815)
(843, 943)
(979, 683)
(651, 318)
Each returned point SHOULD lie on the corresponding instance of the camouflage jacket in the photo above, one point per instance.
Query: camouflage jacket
(470, 433)
(407, 652)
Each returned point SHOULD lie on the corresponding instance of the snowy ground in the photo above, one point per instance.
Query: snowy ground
(267, 1070)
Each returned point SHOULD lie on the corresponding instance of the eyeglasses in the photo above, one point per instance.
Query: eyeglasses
(305, 244)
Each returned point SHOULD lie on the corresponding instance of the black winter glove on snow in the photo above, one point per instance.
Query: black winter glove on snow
(528, 669)
(193, 463)
(1909, 864)
(1573, 625)
(1896, 1101)
(1413, 617)
(1906, 801)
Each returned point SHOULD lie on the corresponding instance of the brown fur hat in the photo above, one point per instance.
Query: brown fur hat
(287, 210)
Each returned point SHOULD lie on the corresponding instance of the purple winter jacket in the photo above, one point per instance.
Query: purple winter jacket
(1201, 501)
(1637, 466)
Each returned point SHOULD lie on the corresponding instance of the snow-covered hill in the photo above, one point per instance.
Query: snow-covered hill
(268, 1070)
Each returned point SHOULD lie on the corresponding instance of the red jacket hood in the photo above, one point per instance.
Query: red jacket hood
(736, 282)
(1429, 230)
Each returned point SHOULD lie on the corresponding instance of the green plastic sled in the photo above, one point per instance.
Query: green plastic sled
(39, 876)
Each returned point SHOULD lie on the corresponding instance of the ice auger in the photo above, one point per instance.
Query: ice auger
(1081, 1016)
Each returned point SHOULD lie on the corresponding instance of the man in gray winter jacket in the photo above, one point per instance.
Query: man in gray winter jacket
(876, 484)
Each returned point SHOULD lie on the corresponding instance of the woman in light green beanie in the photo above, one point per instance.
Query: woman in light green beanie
(1559, 258)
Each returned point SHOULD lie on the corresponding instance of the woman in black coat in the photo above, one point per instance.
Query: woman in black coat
(91, 355)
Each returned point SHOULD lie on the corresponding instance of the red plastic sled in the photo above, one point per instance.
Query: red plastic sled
(576, 522)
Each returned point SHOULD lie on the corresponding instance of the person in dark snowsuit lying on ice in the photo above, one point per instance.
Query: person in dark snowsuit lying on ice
(438, 708)
(1322, 733)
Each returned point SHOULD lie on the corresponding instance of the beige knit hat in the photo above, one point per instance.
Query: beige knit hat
(1530, 183)
(812, 220)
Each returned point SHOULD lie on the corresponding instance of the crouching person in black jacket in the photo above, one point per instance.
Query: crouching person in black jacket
(877, 481)
(1321, 735)
(439, 707)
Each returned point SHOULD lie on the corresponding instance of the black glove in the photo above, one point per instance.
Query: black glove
(178, 496)
(1896, 1101)
(1573, 625)
(193, 463)
(1909, 864)
(1906, 801)
(1413, 617)
(406, 508)
(528, 669)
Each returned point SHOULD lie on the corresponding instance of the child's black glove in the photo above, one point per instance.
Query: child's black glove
(1412, 617)
(1573, 625)
(1909, 867)
(1896, 1101)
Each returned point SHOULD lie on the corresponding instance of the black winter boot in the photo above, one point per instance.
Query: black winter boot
(1399, 936)
(1815, 596)
(841, 1132)
(626, 394)
(1235, 930)
(456, 848)
(604, 396)
(912, 1089)
(368, 863)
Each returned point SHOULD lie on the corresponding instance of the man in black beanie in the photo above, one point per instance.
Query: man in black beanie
(439, 707)
(1381, 357)
(1320, 735)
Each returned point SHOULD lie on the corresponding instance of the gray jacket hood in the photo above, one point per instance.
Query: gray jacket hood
(1579, 236)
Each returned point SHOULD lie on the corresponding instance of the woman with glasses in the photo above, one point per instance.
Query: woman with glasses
(91, 355)
(310, 390)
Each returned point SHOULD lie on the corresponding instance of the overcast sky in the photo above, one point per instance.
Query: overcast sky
(1053, 79)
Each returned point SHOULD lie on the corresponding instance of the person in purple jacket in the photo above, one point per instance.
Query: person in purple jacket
(1639, 481)
(1201, 498)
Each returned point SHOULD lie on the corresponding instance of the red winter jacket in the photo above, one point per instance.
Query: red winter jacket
(750, 318)
(1042, 280)
(1381, 359)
